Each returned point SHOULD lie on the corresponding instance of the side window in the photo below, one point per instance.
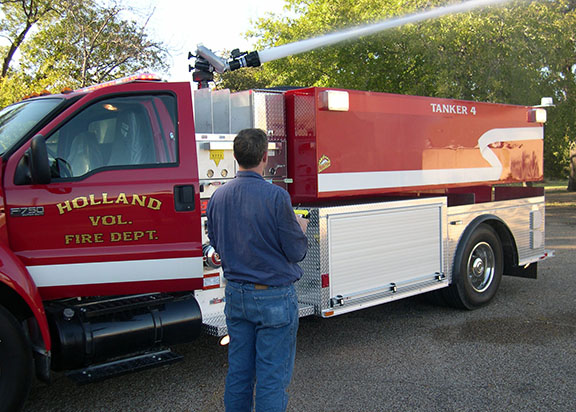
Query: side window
(120, 131)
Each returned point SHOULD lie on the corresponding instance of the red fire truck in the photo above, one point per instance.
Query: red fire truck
(104, 257)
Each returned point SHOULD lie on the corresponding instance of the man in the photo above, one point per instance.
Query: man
(252, 226)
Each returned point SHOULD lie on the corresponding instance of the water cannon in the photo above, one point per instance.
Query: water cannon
(243, 59)
(207, 62)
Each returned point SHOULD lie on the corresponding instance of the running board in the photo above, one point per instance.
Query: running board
(96, 373)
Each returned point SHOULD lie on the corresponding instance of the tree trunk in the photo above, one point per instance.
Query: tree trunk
(572, 178)
(12, 50)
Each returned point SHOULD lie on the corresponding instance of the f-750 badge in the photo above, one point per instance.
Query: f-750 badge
(27, 211)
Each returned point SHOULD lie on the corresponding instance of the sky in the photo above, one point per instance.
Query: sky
(182, 24)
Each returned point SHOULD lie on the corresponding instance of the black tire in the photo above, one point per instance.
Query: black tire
(477, 271)
(16, 364)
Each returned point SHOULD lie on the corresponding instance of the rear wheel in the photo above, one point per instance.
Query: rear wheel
(477, 269)
(16, 366)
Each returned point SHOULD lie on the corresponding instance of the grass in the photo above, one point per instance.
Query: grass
(554, 185)
(558, 186)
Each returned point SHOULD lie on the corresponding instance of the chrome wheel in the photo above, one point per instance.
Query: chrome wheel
(481, 267)
(478, 268)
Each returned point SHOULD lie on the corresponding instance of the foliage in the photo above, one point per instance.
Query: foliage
(76, 43)
(514, 54)
(18, 17)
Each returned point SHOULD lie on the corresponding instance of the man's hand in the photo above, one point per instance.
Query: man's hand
(303, 222)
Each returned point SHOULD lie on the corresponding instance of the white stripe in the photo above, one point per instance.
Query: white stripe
(337, 182)
(116, 272)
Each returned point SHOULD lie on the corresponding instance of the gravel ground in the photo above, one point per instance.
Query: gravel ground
(517, 354)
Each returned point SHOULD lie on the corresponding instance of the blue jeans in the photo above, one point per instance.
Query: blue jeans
(262, 325)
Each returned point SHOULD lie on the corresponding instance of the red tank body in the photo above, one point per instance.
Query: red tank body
(385, 143)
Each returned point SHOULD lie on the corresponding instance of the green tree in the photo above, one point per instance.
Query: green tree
(80, 43)
(92, 44)
(18, 17)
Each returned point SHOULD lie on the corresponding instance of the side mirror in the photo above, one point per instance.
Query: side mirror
(39, 163)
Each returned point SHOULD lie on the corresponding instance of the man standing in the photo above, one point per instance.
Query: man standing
(252, 226)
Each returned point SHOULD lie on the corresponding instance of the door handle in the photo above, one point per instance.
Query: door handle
(184, 198)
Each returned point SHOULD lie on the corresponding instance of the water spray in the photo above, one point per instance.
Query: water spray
(207, 62)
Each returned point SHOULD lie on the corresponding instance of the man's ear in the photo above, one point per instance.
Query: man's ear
(265, 157)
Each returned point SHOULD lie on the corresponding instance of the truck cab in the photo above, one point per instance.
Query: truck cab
(99, 228)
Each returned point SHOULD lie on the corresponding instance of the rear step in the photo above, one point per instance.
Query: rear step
(119, 367)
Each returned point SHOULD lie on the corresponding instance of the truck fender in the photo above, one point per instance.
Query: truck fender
(504, 233)
(16, 277)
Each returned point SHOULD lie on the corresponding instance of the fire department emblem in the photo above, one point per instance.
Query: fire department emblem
(323, 163)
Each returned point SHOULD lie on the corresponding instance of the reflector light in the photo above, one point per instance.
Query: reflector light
(335, 100)
(537, 116)
(129, 79)
(203, 206)
(325, 278)
(211, 281)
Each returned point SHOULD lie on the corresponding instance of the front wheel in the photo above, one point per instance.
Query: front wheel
(16, 366)
(477, 271)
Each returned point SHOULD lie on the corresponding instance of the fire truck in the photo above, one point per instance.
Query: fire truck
(104, 258)
(104, 255)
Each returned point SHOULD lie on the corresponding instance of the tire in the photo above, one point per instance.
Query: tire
(477, 270)
(16, 364)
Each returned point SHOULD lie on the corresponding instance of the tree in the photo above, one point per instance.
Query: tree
(92, 44)
(80, 43)
(19, 16)
(572, 176)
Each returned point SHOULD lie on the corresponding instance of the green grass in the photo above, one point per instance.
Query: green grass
(554, 185)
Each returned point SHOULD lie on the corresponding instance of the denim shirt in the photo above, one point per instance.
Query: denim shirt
(252, 226)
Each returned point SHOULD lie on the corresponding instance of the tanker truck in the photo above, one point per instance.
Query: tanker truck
(104, 258)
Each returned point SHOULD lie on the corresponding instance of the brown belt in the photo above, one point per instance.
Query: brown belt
(258, 286)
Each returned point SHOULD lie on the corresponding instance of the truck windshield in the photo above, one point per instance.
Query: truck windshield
(18, 119)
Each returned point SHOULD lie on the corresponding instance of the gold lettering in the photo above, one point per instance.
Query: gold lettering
(93, 201)
(122, 198)
(108, 220)
(152, 234)
(76, 202)
(82, 238)
(129, 236)
(154, 204)
(140, 201)
(64, 207)
(105, 199)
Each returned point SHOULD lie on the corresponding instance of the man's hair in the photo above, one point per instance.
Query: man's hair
(249, 147)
